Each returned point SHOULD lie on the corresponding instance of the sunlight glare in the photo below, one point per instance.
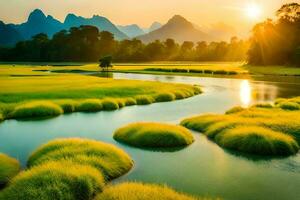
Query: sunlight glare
(253, 11)
(245, 93)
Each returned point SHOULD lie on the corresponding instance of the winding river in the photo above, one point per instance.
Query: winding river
(203, 168)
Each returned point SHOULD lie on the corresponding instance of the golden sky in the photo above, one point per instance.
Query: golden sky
(144, 12)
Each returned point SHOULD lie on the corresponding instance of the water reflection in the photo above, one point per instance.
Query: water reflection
(245, 93)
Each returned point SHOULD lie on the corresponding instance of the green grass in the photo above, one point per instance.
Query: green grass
(55, 180)
(289, 106)
(89, 105)
(262, 130)
(257, 140)
(112, 104)
(148, 135)
(26, 86)
(106, 158)
(36, 109)
(9, 167)
(140, 191)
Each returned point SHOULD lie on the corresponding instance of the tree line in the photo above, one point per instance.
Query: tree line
(277, 42)
(88, 44)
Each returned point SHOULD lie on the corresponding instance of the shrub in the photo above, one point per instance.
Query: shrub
(9, 167)
(110, 104)
(257, 140)
(196, 71)
(144, 100)
(232, 73)
(36, 109)
(208, 71)
(110, 160)
(130, 102)
(90, 105)
(263, 105)
(68, 106)
(180, 70)
(164, 97)
(140, 191)
(154, 135)
(55, 180)
(222, 72)
(289, 106)
(235, 110)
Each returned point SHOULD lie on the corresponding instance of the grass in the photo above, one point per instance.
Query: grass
(289, 106)
(89, 105)
(262, 130)
(30, 85)
(148, 135)
(106, 158)
(164, 97)
(9, 167)
(36, 109)
(55, 180)
(140, 191)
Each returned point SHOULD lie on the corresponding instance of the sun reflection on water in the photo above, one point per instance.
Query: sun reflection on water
(245, 93)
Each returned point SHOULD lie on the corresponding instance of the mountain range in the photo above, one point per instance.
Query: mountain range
(177, 28)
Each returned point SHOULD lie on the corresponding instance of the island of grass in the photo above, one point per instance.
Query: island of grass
(55, 180)
(154, 135)
(140, 191)
(29, 93)
(111, 161)
(260, 129)
(9, 167)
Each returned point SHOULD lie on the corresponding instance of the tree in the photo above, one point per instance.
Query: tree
(105, 63)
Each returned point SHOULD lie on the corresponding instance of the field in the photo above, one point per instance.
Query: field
(25, 88)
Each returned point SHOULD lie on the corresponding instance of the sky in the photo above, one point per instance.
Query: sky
(145, 12)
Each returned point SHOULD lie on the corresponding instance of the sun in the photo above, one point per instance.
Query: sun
(253, 11)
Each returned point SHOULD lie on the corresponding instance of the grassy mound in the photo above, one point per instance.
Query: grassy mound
(111, 104)
(235, 109)
(140, 191)
(257, 140)
(37, 109)
(9, 167)
(263, 105)
(164, 97)
(55, 180)
(68, 106)
(110, 160)
(289, 106)
(154, 135)
(130, 102)
(144, 100)
(90, 105)
(262, 130)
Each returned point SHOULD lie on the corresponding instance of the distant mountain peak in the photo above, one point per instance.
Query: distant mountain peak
(37, 14)
(154, 26)
(179, 20)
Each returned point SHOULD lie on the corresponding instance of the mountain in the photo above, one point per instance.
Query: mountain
(154, 26)
(177, 28)
(132, 30)
(8, 35)
(102, 23)
(37, 23)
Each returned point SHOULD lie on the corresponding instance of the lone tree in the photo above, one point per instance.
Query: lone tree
(105, 63)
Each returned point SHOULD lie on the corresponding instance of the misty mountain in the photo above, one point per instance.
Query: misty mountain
(38, 22)
(102, 23)
(131, 30)
(154, 26)
(8, 35)
(177, 28)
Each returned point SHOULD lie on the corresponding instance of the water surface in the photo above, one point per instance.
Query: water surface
(203, 168)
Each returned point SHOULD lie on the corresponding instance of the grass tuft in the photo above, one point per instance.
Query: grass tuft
(263, 105)
(9, 167)
(55, 180)
(140, 191)
(110, 104)
(235, 110)
(148, 135)
(164, 97)
(108, 159)
(144, 100)
(68, 106)
(90, 105)
(36, 109)
(130, 102)
(289, 106)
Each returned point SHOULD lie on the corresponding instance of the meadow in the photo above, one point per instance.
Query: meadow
(28, 92)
